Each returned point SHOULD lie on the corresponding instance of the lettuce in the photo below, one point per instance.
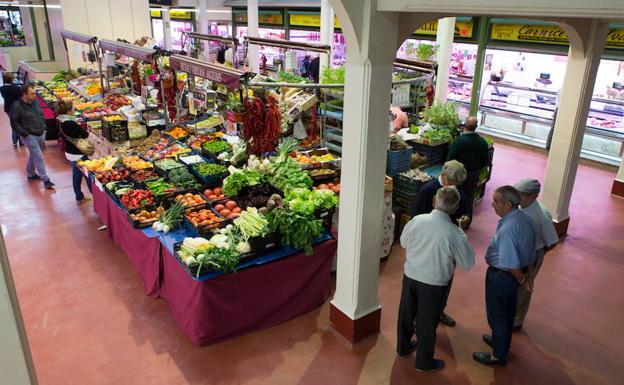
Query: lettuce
(240, 179)
(301, 206)
(324, 199)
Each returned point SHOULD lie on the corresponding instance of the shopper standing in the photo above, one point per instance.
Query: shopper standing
(10, 93)
(305, 67)
(27, 120)
(472, 151)
(433, 246)
(70, 130)
(510, 251)
(546, 238)
(453, 174)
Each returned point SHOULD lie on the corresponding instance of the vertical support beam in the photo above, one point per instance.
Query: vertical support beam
(475, 97)
(618, 183)
(252, 31)
(327, 33)
(444, 38)
(586, 46)
(355, 310)
(202, 26)
(166, 19)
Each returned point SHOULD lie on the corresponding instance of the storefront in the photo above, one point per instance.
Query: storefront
(181, 21)
(525, 63)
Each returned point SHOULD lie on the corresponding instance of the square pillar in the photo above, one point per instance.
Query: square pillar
(444, 39)
(618, 183)
(355, 310)
(587, 41)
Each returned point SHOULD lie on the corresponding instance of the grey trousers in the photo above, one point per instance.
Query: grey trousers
(524, 296)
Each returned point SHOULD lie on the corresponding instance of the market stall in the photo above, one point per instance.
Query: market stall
(217, 45)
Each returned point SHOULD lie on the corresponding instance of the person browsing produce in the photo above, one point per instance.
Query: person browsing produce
(453, 174)
(433, 247)
(27, 120)
(71, 130)
(546, 240)
(510, 251)
(10, 93)
(472, 151)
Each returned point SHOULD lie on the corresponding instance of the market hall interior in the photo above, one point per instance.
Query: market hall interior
(89, 321)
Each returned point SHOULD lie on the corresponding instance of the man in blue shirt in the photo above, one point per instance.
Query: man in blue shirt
(511, 250)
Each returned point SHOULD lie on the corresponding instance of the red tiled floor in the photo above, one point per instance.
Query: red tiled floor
(89, 322)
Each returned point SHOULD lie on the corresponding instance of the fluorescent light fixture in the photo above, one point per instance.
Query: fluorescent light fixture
(18, 5)
(190, 10)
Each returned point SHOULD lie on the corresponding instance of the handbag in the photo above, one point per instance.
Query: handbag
(83, 145)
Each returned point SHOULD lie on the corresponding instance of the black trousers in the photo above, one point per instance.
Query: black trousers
(501, 293)
(423, 303)
(472, 180)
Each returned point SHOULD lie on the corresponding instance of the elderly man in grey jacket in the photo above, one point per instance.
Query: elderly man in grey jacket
(27, 120)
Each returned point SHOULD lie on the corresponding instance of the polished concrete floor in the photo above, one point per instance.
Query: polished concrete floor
(88, 321)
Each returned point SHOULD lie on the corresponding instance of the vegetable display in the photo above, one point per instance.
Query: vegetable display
(182, 177)
(145, 216)
(214, 194)
(170, 219)
(190, 199)
(160, 187)
(296, 230)
(203, 218)
(216, 147)
(240, 179)
(135, 199)
(208, 169)
(261, 127)
(113, 175)
(306, 202)
(228, 209)
(144, 175)
(167, 164)
(437, 135)
(191, 159)
(251, 223)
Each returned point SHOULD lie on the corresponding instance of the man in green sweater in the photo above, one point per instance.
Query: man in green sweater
(472, 151)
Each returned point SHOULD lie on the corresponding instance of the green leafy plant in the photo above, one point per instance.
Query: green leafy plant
(296, 230)
(333, 75)
(234, 104)
(425, 51)
(445, 115)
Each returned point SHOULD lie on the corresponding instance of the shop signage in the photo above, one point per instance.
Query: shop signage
(462, 29)
(178, 15)
(309, 20)
(126, 49)
(615, 39)
(548, 34)
(205, 70)
(263, 18)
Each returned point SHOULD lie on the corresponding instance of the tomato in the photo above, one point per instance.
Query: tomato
(217, 191)
(230, 205)
(322, 186)
(233, 216)
(236, 210)
(219, 207)
(212, 197)
(225, 212)
(208, 192)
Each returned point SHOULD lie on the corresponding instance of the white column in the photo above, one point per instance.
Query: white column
(166, 19)
(327, 33)
(252, 30)
(444, 38)
(575, 97)
(365, 131)
(202, 25)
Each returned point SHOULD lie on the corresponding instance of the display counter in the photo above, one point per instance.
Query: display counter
(41, 70)
(227, 305)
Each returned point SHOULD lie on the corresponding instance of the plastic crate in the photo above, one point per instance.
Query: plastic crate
(262, 245)
(115, 131)
(137, 224)
(435, 154)
(164, 172)
(211, 180)
(406, 184)
(206, 229)
(405, 201)
(326, 217)
(398, 161)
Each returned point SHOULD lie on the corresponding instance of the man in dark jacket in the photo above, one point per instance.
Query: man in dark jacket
(27, 120)
(472, 151)
(10, 93)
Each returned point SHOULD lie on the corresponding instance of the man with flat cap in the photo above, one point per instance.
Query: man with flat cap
(545, 239)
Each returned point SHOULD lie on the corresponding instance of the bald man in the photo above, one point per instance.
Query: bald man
(471, 150)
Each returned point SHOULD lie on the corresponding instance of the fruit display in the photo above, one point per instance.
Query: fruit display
(214, 194)
(322, 173)
(228, 209)
(335, 187)
(135, 199)
(93, 89)
(173, 151)
(145, 217)
(190, 199)
(86, 106)
(157, 147)
(113, 175)
(100, 164)
(177, 133)
(116, 101)
(113, 118)
(135, 163)
(205, 218)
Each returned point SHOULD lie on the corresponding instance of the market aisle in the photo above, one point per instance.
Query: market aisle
(89, 321)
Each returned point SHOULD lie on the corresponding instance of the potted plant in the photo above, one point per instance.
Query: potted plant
(443, 116)
(426, 51)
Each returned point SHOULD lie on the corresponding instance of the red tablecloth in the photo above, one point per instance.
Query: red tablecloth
(248, 300)
(145, 253)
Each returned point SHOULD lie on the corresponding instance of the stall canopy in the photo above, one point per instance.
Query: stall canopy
(230, 41)
(79, 37)
(229, 77)
(129, 50)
